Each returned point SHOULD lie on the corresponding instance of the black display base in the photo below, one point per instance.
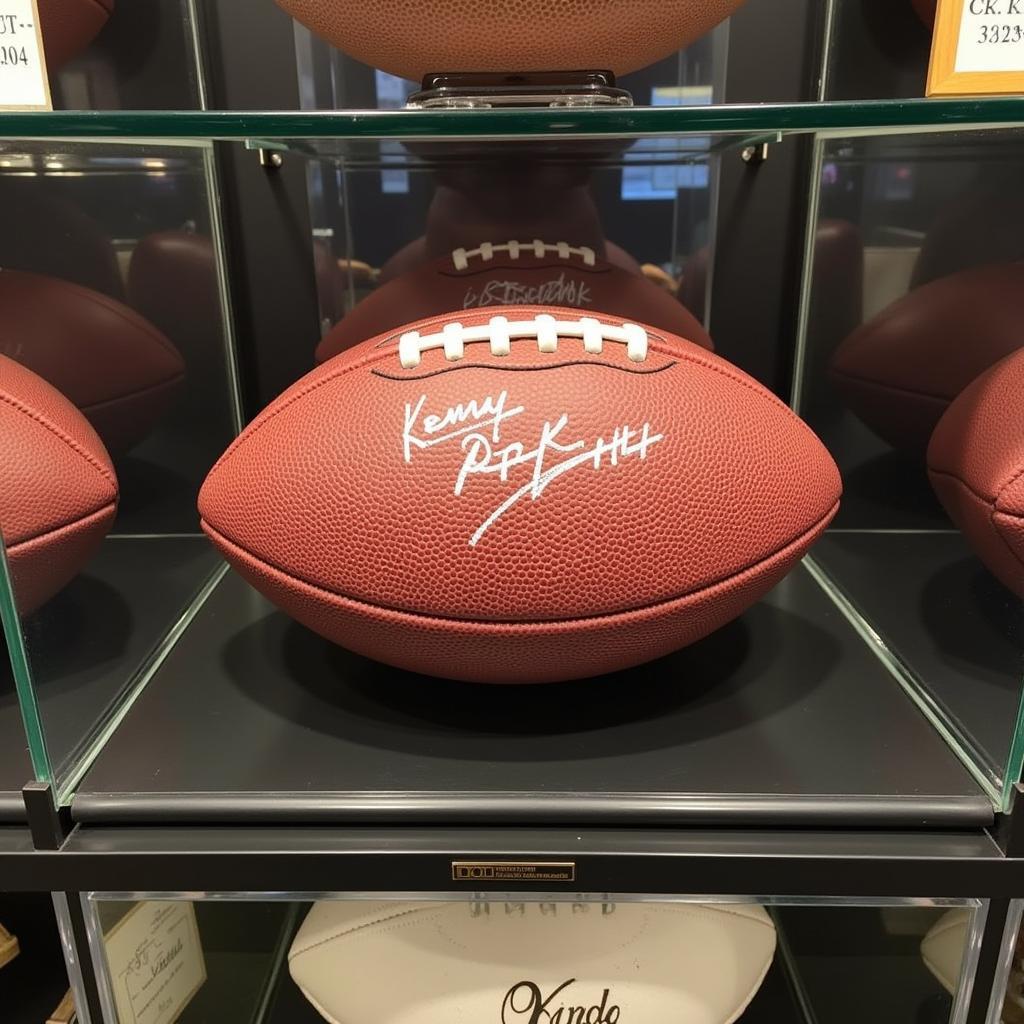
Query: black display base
(784, 717)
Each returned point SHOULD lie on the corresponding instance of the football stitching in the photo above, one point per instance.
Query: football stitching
(658, 344)
(526, 369)
(74, 524)
(58, 433)
(343, 932)
(519, 625)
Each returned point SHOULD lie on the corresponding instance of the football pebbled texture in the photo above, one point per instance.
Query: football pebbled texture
(533, 273)
(526, 963)
(976, 467)
(108, 360)
(58, 493)
(69, 26)
(900, 370)
(598, 495)
(425, 36)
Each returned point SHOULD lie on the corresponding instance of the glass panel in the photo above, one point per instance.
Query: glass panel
(33, 975)
(1007, 1006)
(111, 291)
(918, 241)
(126, 56)
(877, 49)
(304, 129)
(534, 958)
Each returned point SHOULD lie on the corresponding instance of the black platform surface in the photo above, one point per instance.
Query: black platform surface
(954, 626)
(782, 717)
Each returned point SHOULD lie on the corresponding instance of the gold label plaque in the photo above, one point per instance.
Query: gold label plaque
(513, 871)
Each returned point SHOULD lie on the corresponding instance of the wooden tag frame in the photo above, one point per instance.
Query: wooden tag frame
(945, 80)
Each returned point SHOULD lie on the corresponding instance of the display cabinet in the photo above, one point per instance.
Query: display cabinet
(179, 759)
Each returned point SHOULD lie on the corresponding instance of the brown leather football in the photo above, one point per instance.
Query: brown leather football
(107, 359)
(520, 494)
(412, 38)
(976, 466)
(899, 371)
(58, 493)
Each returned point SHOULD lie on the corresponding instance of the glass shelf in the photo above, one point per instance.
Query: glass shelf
(279, 128)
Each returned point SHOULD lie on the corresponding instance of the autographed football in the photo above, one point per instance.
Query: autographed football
(520, 494)
(526, 963)
(900, 370)
(425, 36)
(533, 273)
(69, 26)
(109, 361)
(976, 467)
(58, 493)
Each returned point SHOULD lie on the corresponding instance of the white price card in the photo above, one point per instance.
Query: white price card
(978, 48)
(23, 81)
(155, 961)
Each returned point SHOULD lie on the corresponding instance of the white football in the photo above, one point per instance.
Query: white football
(531, 963)
(942, 949)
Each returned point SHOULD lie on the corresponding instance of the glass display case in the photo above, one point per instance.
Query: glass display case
(244, 958)
(816, 799)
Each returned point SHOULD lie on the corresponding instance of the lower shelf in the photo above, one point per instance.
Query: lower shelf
(784, 717)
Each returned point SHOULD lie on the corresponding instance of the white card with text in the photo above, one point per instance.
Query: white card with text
(155, 961)
(23, 81)
(991, 36)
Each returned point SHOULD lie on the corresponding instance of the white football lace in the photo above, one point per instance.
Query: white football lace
(499, 332)
(486, 251)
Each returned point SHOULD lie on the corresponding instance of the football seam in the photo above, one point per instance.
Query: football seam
(519, 624)
(105, 403)
(1014, 513)
(881, 386)
(343, 932)
(661, 345)
(993, 512)
(60, 435)
(13, 549)
(135, 319)
(526, 369)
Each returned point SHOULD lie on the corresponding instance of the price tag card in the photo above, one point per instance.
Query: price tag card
(23, 81)
(155, 961)
(978, 48)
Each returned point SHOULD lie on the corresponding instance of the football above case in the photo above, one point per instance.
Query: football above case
(412, 38)
(533, 273)
(529, 963)
(58, 493)
(521, 494)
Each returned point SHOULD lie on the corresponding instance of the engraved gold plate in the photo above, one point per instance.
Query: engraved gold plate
(513, 871)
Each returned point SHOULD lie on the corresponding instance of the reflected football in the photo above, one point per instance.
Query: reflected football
(58, 493)
(531, 963)
(111, 362)
(976, 466)
(412, 38)
(533, 273)
(69, 26)
(520, 494)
